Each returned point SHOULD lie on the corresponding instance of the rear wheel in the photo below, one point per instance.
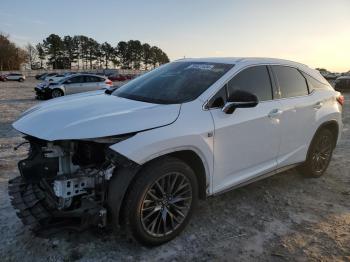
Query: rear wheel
(319, 155)
(20, 80)
(161, 201)
(56, 93)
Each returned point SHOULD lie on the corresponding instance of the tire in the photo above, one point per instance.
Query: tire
(20, 80)
(152, 219)
(319, 154)
(56, 93)
(30, 202)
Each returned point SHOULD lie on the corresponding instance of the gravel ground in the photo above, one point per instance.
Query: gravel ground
(285, 217)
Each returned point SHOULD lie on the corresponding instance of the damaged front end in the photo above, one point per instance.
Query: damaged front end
(65, 182)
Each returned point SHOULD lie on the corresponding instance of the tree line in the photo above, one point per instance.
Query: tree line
(79, 52)
(84, 52)
(11, 56)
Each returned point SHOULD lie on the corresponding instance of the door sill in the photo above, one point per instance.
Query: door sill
(260, 177)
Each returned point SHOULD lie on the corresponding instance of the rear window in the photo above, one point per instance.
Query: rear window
(314, 84)
(93, 79)
(290, 81)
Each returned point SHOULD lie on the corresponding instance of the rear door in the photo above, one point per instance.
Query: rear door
(93, 83)
(74, 85)
(299, 108)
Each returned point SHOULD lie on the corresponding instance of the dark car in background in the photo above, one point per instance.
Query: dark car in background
(121, 77)
(342, 83)
(44, 76)
(117, 78)
(40, 76)
(3, 78)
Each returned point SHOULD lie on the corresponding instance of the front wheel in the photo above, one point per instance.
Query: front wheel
(161, 201)
(56, 93)
(319, 155)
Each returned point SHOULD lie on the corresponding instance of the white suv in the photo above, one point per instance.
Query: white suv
(141, 157)
(15, 77)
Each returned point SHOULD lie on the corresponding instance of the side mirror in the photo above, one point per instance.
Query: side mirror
(110, 90)
(240, 99)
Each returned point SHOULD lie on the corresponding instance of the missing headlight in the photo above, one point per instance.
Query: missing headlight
(111, 139)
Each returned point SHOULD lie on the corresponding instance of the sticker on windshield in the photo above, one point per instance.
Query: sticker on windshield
(200, 67)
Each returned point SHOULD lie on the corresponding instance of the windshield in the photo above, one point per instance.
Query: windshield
(173, 83)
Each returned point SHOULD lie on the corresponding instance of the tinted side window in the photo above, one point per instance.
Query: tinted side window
(290, 81)
(314, 83)
(255, 80)
(93, 79)
(219, 99)
(74, 80)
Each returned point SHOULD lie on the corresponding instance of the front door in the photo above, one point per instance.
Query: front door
(246, 142)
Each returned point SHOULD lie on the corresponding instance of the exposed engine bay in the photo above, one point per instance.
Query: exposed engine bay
(63, 179)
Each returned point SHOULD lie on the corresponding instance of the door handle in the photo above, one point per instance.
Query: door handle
(318, 105)
(275, 113)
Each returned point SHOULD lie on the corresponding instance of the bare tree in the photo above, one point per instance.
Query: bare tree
(41, 53)
(32, 55)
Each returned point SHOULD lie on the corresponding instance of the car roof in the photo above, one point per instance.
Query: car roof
(80, 74)
(85, 74)
(236, 60)
(256, 61)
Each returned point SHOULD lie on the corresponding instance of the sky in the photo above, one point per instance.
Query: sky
(313, 32)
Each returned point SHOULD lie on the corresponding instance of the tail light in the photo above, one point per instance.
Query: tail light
(108, 82)
(341, 100)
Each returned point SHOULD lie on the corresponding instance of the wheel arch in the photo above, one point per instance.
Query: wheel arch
(123, 181)
(331, 125)
(192, 158)
(60, 89)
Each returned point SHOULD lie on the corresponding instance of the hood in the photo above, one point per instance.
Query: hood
(93, 115)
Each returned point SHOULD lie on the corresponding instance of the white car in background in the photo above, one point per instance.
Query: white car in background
(144, 154)
(15, 77)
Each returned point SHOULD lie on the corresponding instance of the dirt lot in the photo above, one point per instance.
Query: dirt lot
(285, 217)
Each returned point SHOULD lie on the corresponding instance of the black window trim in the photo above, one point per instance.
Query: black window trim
(272, 84)
(304, 73)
